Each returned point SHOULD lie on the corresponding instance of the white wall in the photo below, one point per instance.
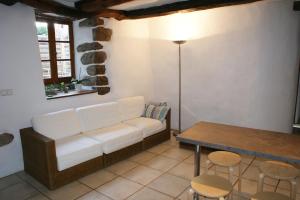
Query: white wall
(239, 67)
(20, 70)
(240, 64)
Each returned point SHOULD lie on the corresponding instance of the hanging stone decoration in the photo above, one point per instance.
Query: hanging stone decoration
(94, 56)
(103, 90)
(89, 46)
(89, 81)
(102, 34)
(91, 22)
(95, 81)
(101, 80)
(5, 139)
(93, 70)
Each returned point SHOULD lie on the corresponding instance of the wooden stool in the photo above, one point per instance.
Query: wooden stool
(280, 171)
(269, 196)
(228, 160)
(211, 186)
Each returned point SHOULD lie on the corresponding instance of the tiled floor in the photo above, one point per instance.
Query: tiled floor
(161, 173)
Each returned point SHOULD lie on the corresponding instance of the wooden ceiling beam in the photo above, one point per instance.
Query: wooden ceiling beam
(96, 5)
(8, 2)
(184, 6)
(56, 8)
(109, 13)
(297, 5)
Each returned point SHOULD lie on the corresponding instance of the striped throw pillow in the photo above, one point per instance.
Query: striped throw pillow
(159, 103)
(156, 112)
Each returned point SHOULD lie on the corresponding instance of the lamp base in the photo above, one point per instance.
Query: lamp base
(179, 41)
(175, 132)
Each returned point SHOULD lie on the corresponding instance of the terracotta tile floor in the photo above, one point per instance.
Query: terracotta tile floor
(161, 173)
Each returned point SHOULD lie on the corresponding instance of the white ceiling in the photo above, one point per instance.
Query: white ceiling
(137, 4)
(130, 5)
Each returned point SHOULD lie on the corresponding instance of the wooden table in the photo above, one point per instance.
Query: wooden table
(268, 144)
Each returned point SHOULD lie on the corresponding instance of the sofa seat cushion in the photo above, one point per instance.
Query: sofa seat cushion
(147, 125)
(116, 137)
(77, 149)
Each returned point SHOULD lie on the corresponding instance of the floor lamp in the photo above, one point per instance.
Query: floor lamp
(179, 42)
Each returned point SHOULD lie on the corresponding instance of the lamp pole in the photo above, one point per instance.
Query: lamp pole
(179, 42)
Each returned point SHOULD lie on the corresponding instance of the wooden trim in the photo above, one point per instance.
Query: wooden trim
(65, 59)
(184, 6)
(296, 100)
(62, 41)
(72, 54)
(45, 18)
(52, 48)
(89, 8)
(167, 9)
(43, 41)
(55, 7)
(52, 52)
(296, 112)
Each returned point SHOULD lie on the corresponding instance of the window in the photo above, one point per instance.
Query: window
(55, 37)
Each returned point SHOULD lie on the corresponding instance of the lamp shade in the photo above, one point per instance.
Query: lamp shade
(180, 27)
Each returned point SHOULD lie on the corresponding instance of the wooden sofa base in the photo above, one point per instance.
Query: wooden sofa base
(49, 176)
(156, 139)
(122, 154)
(73, 173)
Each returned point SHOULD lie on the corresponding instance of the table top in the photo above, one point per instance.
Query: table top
(272, 145)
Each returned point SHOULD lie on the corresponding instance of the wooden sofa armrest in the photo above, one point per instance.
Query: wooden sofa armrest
(168, 120)
(39, 155)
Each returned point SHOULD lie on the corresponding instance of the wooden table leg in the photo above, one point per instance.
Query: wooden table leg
(197, 167)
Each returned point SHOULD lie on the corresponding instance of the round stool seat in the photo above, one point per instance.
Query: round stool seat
(224, 158)
(269, 196)
(279, 170)
(211, 186)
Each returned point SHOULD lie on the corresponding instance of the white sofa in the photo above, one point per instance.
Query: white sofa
(86, 133)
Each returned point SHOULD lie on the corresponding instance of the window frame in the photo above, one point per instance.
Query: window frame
(52, 48)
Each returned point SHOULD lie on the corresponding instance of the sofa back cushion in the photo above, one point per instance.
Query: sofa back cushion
(98, 116)
(57, 125)
(131, 107)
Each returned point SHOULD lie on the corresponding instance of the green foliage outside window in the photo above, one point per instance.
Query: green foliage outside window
(42, 30)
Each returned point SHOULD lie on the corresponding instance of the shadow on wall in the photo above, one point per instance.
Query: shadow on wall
(207, 23)
(239, 77)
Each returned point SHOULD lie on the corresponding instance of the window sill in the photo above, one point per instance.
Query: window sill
(71, 94)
